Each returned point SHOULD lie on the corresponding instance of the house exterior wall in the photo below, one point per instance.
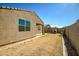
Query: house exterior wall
(9, 27)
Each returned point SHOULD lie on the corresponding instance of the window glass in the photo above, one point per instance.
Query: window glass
(24, 25)
(21, 28)
(21, 22)
(27, 25)
(21, 25)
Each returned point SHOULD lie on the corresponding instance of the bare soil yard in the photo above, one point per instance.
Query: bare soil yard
(47, 45)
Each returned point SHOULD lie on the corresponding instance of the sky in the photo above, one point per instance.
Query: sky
(55, 14)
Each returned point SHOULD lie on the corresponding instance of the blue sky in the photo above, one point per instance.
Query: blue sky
(55, 14)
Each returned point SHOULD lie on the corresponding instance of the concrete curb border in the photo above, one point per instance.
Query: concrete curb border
(64, 48)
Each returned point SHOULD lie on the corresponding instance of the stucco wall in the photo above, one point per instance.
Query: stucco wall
(9, 30)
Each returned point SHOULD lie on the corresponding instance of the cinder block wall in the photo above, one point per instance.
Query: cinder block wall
(72, 32)
(9, 27)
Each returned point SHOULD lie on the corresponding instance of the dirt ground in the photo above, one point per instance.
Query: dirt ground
(47, 45)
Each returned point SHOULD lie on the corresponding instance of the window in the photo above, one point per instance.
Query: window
(38, 27)
(21, 25)
(27, 25)
(24, 25)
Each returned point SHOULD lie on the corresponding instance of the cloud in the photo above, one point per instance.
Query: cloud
(56, 26)
(70, 4)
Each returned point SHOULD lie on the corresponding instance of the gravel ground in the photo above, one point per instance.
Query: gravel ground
(47, 45)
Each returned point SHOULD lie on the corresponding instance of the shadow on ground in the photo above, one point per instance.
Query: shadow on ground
(70, 48)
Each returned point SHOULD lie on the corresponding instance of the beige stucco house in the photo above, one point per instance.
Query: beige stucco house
(17, 24)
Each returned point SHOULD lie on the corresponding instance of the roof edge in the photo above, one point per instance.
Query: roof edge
(38, 16)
